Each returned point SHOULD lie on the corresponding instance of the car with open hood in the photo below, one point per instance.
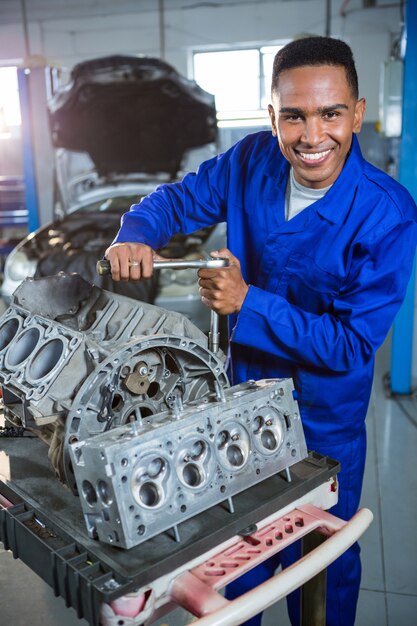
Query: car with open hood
(121, 126)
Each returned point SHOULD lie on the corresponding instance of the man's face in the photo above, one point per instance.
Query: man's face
(314, 114)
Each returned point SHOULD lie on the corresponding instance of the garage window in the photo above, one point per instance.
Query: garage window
(240, 80)
(9, 100)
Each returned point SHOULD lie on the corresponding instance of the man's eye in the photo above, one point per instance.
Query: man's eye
(292, 118)
(331, 115)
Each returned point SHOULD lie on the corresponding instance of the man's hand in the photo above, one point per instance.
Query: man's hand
(223, 290)
(131, 261)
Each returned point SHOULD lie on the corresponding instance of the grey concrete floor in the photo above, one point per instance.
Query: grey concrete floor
(389, 584)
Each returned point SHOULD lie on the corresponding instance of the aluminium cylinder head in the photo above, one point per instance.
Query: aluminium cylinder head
(138, 481)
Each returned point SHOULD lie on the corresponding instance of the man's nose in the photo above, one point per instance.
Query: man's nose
(313, 131)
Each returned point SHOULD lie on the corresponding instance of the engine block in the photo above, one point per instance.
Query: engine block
(138, 414)
(139, 480)
(76, 361)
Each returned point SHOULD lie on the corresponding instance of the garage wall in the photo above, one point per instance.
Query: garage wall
(68, 31)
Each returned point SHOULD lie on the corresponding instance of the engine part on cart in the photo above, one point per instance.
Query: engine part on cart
(76, 361)
(139, 480)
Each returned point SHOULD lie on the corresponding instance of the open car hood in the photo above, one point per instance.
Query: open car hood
(132, 114)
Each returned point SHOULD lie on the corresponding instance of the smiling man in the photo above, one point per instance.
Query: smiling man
(313, 115)
(321, 245)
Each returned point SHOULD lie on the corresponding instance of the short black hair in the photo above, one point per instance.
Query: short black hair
(316, 51)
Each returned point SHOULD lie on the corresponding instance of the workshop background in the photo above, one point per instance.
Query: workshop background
(54, 35)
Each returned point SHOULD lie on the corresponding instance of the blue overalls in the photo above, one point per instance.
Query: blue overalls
(324, 290)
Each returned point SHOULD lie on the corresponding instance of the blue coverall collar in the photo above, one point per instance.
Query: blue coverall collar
(343, 187)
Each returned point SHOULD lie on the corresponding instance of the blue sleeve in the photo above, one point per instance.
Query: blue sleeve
(347, 336)
(199, 200)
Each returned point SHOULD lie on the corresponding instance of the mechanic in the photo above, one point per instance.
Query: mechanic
(321, 245)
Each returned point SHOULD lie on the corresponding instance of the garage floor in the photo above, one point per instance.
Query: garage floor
(389, 583)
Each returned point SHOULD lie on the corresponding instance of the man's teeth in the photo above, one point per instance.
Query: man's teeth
(314, 156)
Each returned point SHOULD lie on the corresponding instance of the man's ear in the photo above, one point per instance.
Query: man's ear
(360, 108)
(272, 118)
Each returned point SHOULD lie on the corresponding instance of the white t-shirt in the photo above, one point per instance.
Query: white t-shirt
(298, 197)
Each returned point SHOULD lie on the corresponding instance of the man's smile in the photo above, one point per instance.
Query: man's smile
(314, 157)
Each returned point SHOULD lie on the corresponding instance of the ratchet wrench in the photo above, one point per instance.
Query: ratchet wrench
(104, 267)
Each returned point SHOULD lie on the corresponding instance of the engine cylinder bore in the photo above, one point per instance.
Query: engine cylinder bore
(191, 475)
(104, 492)
(269, 429)
(233, 446)
(235, 456)
(149, 494)
(150, 480)
(24, 345)
(269, 440)
(195, 462)
(45, 359)
(89, 492)
(8, 331)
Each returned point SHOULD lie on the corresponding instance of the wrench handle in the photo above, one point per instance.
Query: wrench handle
(103, 266)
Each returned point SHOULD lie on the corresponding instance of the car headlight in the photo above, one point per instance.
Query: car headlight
(18, 266)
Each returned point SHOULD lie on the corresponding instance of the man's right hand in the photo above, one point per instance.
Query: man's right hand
(130, 261)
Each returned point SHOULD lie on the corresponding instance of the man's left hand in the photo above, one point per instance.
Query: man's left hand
(223, 290)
